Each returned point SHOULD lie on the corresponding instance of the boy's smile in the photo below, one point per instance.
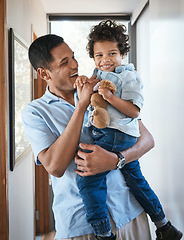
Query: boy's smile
(107, 55)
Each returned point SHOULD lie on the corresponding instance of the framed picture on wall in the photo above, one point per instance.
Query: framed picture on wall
(20, 94)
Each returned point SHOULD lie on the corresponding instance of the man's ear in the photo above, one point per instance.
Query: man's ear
(43, 73)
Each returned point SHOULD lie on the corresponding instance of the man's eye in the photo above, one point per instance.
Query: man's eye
(63, 63)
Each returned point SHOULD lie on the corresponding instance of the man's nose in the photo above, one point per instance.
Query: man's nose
(73, 63)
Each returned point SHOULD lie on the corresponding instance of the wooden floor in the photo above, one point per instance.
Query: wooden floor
(49, 236)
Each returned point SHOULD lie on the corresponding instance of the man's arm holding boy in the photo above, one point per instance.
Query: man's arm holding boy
(101, 160)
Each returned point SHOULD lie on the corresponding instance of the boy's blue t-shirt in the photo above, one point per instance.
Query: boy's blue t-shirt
(129, 87)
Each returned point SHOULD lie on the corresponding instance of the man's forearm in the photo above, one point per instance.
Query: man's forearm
(59, 155)
(144, 143)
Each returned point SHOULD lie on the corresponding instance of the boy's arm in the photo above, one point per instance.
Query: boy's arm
(123, 106)
(101, 160)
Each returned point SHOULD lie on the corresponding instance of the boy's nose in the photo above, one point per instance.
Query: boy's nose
(105, 60)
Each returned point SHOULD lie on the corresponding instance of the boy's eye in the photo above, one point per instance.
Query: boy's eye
(98, 55)
(113, 53)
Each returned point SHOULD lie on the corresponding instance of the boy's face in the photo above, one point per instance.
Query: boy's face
(107, 55)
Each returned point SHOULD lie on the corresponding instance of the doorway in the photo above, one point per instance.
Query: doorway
(80, 28)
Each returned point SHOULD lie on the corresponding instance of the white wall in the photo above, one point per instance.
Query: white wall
(21, 200)
(160, 37)
(22, 15)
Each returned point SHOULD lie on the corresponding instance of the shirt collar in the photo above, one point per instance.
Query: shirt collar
(50, 97)
(122, 68)
(118, 69)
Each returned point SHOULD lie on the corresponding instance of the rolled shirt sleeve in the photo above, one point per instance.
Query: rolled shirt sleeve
(37, 132)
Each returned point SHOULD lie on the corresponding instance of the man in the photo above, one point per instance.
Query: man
(55, 124)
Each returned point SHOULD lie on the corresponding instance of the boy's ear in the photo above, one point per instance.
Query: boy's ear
(43, 73)
(123, 56)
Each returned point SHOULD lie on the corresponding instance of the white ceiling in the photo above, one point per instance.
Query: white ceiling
(89, 6)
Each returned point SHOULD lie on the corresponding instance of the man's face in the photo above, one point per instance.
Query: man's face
(107, 55)
(63, 70)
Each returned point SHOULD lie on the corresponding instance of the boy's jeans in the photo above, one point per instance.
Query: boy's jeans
(93, 189)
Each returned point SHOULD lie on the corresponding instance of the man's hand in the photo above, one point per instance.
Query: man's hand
(85, 87)
(98, 161)
(79, 83)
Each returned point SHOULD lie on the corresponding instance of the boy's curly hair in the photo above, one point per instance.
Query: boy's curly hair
(108, 30)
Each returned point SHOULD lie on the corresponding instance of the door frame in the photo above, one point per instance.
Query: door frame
(42, 224)
(41, 179)
(4, 210)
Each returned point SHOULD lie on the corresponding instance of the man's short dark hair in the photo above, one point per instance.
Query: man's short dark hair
(108, 30)
(39, 51)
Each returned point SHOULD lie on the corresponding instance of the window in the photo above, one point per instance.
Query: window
(75, 33)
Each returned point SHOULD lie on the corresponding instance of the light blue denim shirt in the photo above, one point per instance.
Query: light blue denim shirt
(129, 87)
(44, 120)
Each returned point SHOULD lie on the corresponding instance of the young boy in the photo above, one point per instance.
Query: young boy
(108, 44)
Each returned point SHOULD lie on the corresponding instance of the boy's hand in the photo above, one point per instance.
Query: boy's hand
(105, 93)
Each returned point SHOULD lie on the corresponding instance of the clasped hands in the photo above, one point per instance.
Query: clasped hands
(81, 80)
